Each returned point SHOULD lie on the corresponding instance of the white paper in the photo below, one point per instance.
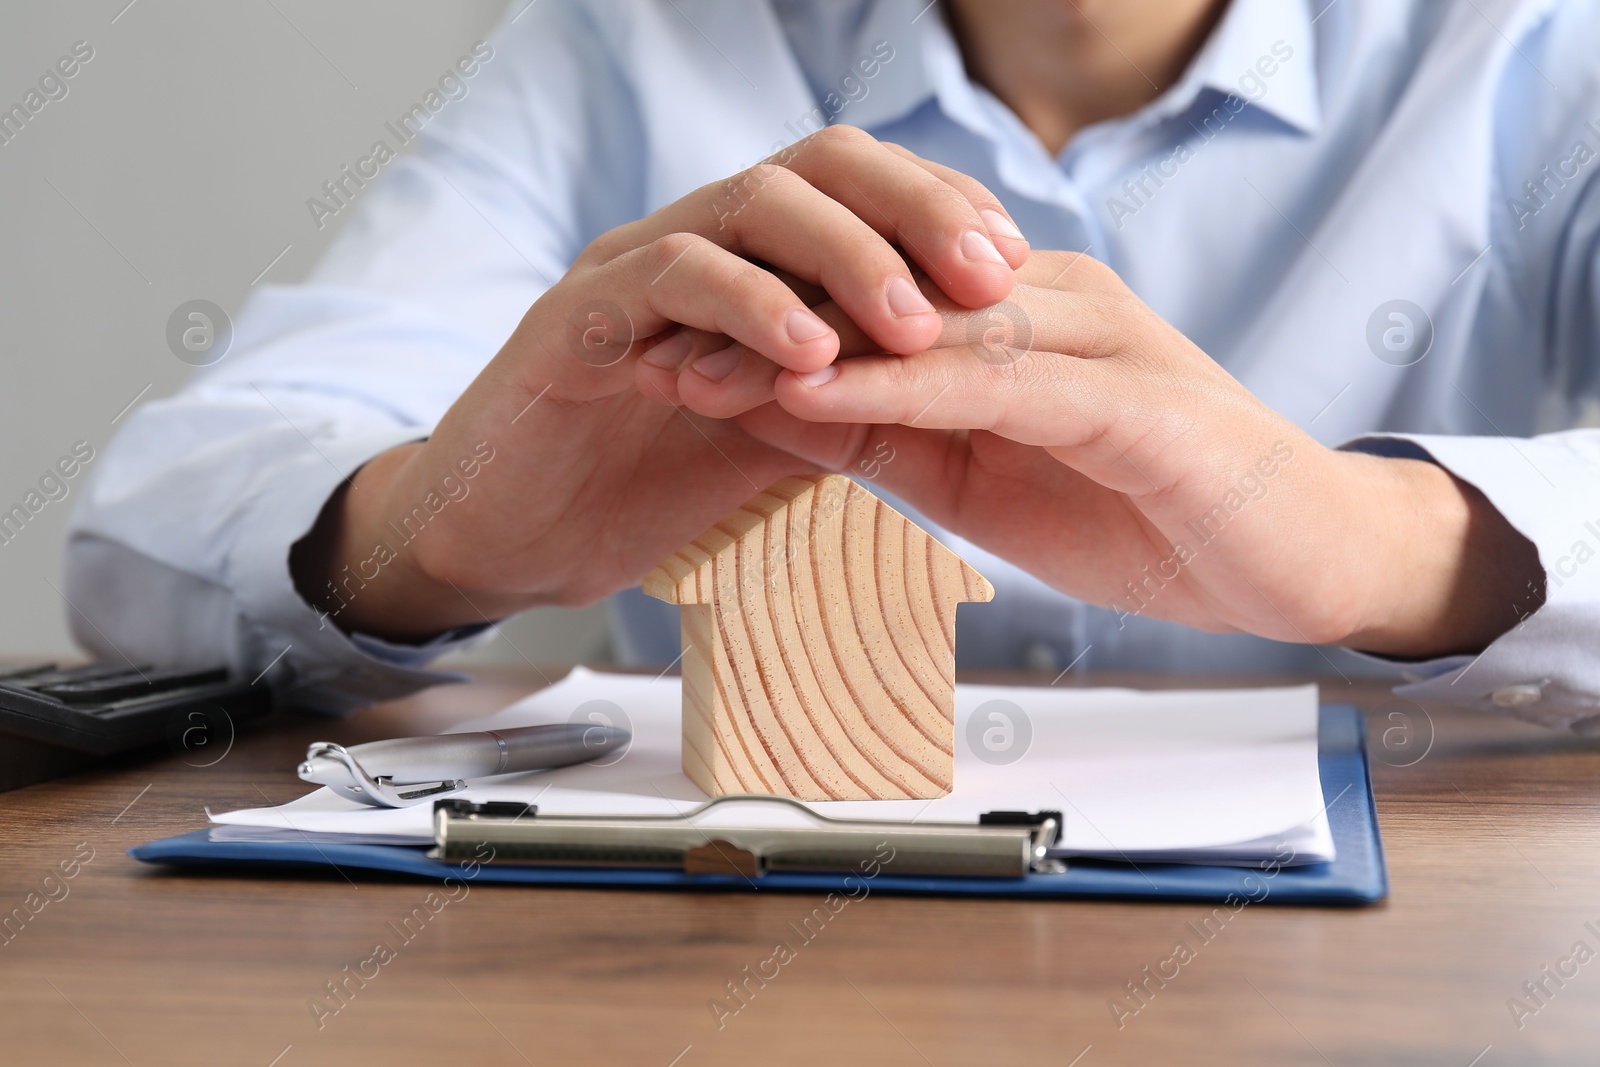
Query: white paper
(1195, 775)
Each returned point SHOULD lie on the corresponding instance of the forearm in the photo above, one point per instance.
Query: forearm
(177, 555)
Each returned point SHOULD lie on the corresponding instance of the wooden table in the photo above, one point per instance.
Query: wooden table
(1493, 839)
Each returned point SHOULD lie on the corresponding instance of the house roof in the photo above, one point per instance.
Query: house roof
(827, 514)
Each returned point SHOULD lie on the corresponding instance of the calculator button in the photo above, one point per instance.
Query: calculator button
(127, 685)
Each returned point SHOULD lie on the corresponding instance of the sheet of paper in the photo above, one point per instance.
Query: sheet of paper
(1203, 775)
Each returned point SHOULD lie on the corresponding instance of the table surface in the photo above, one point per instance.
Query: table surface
(1492, 830)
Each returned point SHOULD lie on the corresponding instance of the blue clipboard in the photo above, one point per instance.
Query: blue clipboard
(1357, 875)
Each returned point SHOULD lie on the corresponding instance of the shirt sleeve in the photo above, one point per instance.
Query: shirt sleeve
(1546, 485)
(1548, 488)
(454, 220)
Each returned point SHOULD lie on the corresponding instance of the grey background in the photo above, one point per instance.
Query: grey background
(177, 167)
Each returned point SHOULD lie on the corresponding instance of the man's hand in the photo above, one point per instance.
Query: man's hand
(1075, 433)
(592, 483)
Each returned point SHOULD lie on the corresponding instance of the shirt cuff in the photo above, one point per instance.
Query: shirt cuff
(307, 659)
(1543, 669)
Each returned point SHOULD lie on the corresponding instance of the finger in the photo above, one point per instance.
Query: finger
(656, 373)
(1080, 323)
(685, 279)
(932, 220)
(720, 379)
(920, 465)
(957, 325)
(1002, 229)
(1070, 271)
(809, 234)
(779, 218)
(1044, 399)
(733, 379)
(832, 215)
(1087, 324)
(810, 294)
(1109, 419)
(853, 340)
(728, 382)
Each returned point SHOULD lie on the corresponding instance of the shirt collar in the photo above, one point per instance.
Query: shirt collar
(1252, 38)
(912, 28)
(926, 64)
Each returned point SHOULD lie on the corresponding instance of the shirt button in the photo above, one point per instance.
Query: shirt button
(1039, 656)
(1515, 696)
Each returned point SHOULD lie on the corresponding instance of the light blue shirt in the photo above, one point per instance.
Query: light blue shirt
(1379, 215)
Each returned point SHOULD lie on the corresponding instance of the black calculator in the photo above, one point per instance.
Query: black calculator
(55, 719)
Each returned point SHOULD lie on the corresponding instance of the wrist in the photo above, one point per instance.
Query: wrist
(1443, 572)
(363, 573)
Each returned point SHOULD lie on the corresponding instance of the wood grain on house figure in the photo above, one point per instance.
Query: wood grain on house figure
(819, 647)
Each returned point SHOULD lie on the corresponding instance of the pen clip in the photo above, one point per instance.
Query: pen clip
(333, 766)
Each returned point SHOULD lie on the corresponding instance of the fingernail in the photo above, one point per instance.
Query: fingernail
(819, 377)
(804, 325)
(999, 225)
(979, 249)
(718, 365)
(671, 352)
(906, 299)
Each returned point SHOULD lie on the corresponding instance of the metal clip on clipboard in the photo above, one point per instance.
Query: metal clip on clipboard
(1006, 844)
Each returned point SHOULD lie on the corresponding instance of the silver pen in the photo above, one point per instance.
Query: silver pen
(410, 770)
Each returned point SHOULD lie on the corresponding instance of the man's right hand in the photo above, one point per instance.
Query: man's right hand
(593, 482)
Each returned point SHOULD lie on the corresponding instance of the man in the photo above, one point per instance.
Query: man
(557, 340)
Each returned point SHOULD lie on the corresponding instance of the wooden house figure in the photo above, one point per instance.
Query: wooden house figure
(819, 647)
